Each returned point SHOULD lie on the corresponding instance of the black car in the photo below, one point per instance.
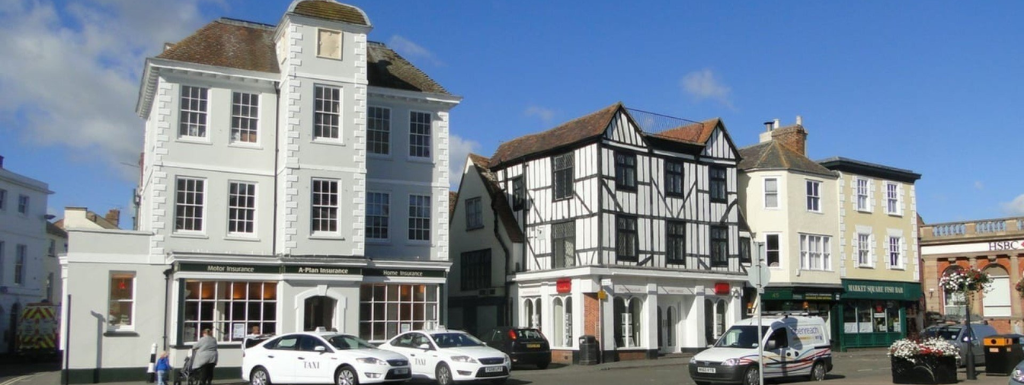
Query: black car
(523, 345)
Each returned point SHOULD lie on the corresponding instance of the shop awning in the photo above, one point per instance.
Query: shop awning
(865, 289)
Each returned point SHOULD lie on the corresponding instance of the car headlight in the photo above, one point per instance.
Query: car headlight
(1018, 375)
(463, 359)
(507, 359)
(730, 362)
(693, 360)
(371, 361)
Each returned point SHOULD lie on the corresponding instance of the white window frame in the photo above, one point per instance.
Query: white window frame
(223, 321)
(771, 193)
(863, 250)
(314, 230)
(385, 206)
(813, 196)
(413, 135)
(415, 208)
(23, 204)
(245, 118)
(562, 338)
(320, 91)
(893, 198)
(201, 206)
(901, 258)
(392, 325)
(997, 302)
(383, 123)
(232, 207)
(862, 193)
(766, 250)
(197, 109)
(132, 301)
(814, 247)
(20, 264)
(319, 43)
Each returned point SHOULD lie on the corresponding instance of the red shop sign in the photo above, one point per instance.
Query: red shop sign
(721, 288)
(563, 285)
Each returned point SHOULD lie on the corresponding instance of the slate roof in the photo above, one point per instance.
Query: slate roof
(871, 169)
(499, 199)
(697, 133)
(53, 229)
(453, 196)
(574, 131)
(772, 155)
(250, 46)
(330, 10)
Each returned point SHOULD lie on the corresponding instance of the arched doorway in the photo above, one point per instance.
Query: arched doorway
(319, 311)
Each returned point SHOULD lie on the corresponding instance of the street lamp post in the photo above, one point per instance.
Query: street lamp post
(969, 360)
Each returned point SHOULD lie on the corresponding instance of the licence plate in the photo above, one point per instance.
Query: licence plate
(402, 371)
(993, 350)
(494, 369)
(701, 369)
(532, 346)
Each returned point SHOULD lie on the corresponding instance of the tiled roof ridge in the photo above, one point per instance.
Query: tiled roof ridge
(702, 125)
(495, 159)
(246, 23)
(417, 69)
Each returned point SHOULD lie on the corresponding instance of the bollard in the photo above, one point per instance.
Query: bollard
(151, 369)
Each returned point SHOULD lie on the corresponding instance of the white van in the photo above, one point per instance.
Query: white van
(793, 346)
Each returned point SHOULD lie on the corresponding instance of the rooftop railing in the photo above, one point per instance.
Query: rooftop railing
(969, 229)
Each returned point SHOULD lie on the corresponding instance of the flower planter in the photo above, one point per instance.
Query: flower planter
(926, 369)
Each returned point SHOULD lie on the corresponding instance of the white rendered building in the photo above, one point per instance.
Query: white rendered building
(293, 176)
(23, 247)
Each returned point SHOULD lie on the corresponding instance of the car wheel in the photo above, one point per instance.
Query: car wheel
(543, 365)
(817, 372)
(346, 376)
(444, 375)
(259, 376)
(751, 376)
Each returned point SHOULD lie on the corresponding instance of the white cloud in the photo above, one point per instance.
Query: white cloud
(1014, 207)
(546, 115)
(703, 85)
(458, 150)
(69, 75)
(410, 50)
(978, 185)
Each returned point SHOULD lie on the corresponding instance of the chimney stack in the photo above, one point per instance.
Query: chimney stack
(799, 120)
(113, 216)
(776, 123)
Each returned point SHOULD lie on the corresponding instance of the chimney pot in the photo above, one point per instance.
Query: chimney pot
(775, 124)
(768, 125)
(799, 120)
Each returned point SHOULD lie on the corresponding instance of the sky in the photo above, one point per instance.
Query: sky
(935, 87)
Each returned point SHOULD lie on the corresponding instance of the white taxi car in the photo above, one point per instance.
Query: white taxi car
(450, 355)
(322, 358)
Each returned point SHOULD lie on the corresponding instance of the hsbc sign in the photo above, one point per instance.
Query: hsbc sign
(1005, 245)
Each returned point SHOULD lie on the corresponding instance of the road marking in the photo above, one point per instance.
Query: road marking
(18, 379)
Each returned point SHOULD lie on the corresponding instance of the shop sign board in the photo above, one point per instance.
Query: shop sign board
(784, 294)
(864, 289)
(228, 268)
(322, 270)
(404, 273)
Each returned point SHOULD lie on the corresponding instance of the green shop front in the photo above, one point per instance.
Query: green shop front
(876, 313)
(821, 300)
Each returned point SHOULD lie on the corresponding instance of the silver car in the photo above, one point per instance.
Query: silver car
(958, 336)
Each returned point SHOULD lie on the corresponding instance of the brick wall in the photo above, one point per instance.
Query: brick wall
(632, 355)
(561, 357)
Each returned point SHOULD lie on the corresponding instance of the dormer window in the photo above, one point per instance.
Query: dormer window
(328, 44)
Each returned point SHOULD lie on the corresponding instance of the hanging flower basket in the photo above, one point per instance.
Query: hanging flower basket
(1020, 287)
(929, 361)
(966, 281)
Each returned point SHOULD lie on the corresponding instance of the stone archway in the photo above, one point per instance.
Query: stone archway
(320, 306)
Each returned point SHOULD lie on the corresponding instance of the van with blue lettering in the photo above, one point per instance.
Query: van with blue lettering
(794, 346)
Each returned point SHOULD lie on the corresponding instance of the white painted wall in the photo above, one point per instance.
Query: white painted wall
(28, 229)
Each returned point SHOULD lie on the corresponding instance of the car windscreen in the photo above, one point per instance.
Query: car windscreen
(454, 340)
(529, 334)
(948, 333)
(344, 342)
(741, 336)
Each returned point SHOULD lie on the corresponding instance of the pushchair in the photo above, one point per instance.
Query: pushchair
(187, 375)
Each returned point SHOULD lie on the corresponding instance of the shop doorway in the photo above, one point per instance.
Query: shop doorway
(709, 322)
(666, 329)
(319, 311)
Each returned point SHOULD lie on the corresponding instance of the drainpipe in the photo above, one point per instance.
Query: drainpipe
(167, 301)
(277, 151)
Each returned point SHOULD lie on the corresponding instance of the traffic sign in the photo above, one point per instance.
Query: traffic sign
(758, 275)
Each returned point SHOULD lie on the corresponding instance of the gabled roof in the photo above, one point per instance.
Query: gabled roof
(772, 155)
(331, 10)
(578, 130)
(499, 201)
(250, 46)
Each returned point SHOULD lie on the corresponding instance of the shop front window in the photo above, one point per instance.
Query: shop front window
(229, 309)
(628, 315)
(122, 301)
(871, 317)
(389, 310)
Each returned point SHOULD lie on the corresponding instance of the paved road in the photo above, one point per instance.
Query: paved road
(860, 367)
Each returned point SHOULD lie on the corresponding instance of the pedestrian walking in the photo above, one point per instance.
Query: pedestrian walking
(1018, 327)
(163, 369)
(205, 357)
